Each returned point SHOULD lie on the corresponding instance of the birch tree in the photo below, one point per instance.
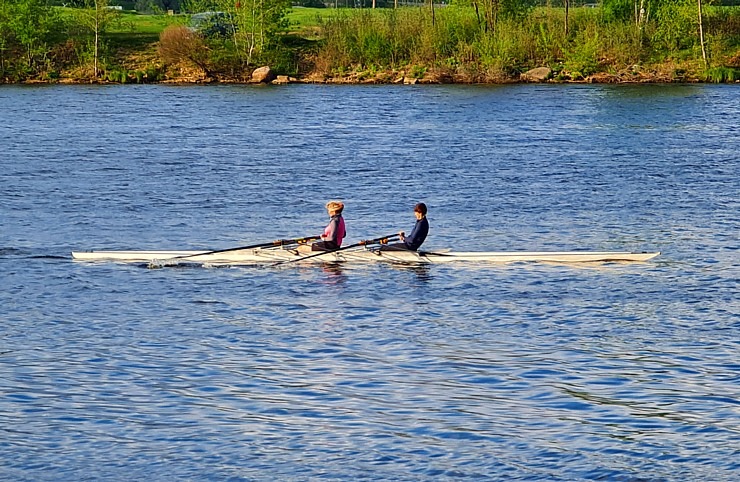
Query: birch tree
(255, 24)
(701, 36)
(95, 17)
(671, 24)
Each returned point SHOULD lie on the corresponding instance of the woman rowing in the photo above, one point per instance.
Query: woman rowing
(413, 241)
(334, 232)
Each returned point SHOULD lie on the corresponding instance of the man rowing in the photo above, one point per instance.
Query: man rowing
(418, 235)
(333, 234)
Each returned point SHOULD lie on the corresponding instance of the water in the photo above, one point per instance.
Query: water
(521, 372)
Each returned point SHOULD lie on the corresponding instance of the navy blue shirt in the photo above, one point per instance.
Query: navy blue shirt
(414, 240)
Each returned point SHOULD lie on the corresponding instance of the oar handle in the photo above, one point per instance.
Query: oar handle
(380, 240)
(284, 242)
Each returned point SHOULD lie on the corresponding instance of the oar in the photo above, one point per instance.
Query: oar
(277, 242)
(364, 242)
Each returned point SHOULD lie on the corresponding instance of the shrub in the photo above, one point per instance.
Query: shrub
(722, 74)
(581, 59)
(178, 45)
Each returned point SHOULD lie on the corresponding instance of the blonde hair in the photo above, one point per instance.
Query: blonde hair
(336, 206)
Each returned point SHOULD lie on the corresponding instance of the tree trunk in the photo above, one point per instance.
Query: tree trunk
(640, 18)
(701, 37)
(567, 9)
(97, 37)
(253, 33)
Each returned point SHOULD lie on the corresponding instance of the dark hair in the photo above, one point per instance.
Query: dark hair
(421, 208)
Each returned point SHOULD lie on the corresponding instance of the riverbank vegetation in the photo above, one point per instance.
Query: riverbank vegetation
(488, 41)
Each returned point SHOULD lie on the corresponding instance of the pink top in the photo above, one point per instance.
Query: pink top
(335, 231)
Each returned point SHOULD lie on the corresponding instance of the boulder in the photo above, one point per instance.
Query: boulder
(263, 75)
(281, 79)
(540, 74)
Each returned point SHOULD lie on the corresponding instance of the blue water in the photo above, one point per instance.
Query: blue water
(447, 372)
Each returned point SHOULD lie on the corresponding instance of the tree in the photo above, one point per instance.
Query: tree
(256, 24)
(675, 24)
(701, 36)
(5, 36)
(667, 23)
(96, 16)
(30, 23)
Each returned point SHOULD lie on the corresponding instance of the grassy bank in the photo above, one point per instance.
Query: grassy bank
(451, 44)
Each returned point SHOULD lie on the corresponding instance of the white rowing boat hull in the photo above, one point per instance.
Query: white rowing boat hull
(258, 256)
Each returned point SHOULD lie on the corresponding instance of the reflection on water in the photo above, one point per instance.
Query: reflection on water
(370, 371)
(423, 272)
(334, 272)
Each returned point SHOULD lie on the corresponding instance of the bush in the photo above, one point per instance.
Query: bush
(719, 75)
(581, 59)
(180, 45)
(618, 10)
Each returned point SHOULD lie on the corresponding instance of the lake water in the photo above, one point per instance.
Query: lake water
(448, 372)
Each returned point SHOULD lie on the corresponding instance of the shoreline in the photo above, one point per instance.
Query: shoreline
(139, 73)
(286, 80)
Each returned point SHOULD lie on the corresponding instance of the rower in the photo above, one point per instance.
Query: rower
(418, 235)
(334, 232)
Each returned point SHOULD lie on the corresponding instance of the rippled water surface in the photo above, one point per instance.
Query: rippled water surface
(377, 372)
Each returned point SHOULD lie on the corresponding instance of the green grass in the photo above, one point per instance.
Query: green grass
(132, 22)
(305, 21)
(302, 21)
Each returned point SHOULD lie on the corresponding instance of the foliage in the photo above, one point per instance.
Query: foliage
(581, 58)
(95, 17)
(455, 41)
(676, 25)
(28, 27)
(722, 74)
(257, 25)
(498, 54)
(40, 42)
(620, 44)
(178, 45)
(212, 24)
(122, 75)
(618, 10)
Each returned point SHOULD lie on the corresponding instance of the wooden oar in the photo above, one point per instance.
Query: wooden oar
(270, 244)
(365, 242)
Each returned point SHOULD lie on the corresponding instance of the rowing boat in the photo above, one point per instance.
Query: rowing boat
(272, 255)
